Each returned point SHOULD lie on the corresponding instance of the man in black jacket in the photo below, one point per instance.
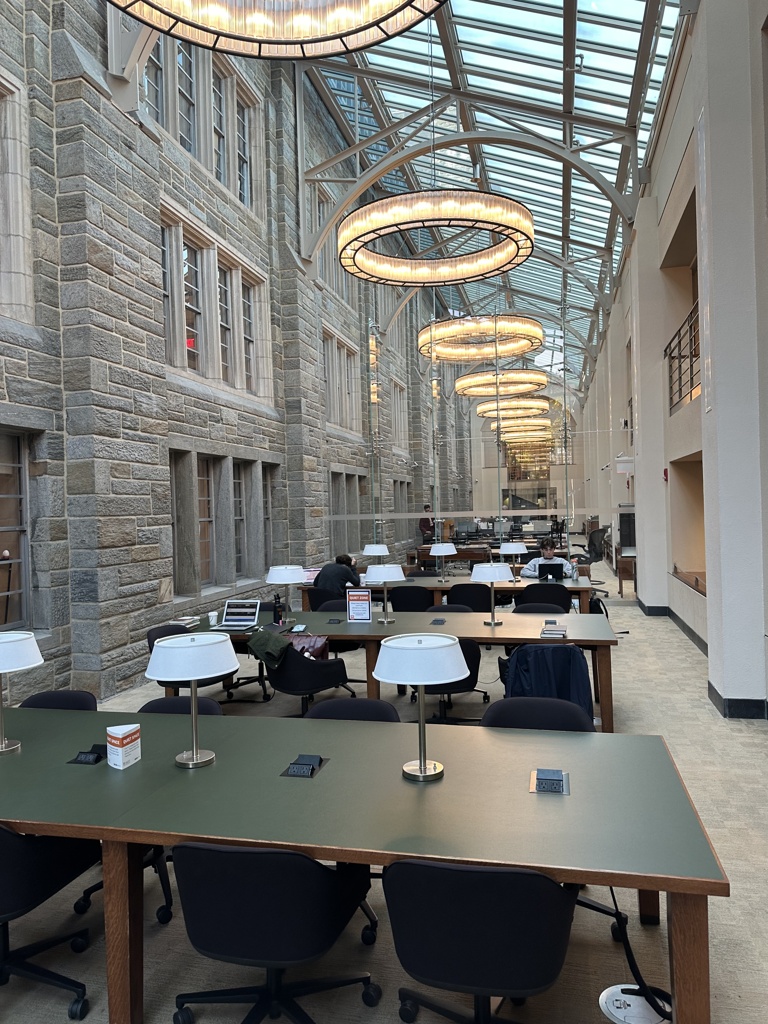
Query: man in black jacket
(336, 575)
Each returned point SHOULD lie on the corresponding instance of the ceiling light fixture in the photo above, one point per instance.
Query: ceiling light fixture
(281, 29)
(436, 208)
(516, 425)
(472, 339)
(488, 384)
(513, 407)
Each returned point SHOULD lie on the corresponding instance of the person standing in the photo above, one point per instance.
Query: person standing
(427, 525)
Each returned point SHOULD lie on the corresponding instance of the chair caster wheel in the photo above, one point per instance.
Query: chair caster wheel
(409, 1011)
(615, 933)
(164, 915)
(413, 698)
(486, 698)
(78, 1009)
(368, 935)
(78, 944)
(82, 905)
(372, 994)
(353, 694)
(230, 695)
(184, 1016)
(267, 697)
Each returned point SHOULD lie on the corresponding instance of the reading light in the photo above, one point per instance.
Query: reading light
(18, 650)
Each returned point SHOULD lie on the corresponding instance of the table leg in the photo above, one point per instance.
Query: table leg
(123, 913)
(688, 928)
(603, 657)
(305, 601)
(584, 602)
(595, 680)
(371, 656)
(648, 906)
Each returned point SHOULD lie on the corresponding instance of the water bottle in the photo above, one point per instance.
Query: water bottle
(277, 610)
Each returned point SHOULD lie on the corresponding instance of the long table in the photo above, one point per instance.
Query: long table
(580, 588)
(359, 808)
(591, 632)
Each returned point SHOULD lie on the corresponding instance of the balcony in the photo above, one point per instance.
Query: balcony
(684, 369)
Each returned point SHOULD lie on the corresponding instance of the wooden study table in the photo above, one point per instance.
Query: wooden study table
(581, 588)
(360, 808)
(592, 632)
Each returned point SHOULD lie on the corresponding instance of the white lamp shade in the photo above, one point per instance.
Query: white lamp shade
(285, 574)
(194, 656)
(375, 549)
(491, 572)
(443, 549)
(510, 547)
(18, 651)
(384, 574)
(414, 659)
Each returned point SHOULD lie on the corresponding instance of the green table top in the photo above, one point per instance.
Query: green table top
(359, 807)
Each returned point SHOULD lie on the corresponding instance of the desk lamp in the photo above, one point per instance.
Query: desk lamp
(420, 660)
(510, 547)
(371, 550)
(193, 657)
(384, 574)
(440, 550)
(285, 574)
(17, 651)
(492, 572)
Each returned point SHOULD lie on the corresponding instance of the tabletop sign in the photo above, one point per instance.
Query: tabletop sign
(550, 780)
(358, 605)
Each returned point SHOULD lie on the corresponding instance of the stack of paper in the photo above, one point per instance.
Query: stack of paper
(553, 629)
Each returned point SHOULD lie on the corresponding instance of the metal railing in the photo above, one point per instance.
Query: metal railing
(684, 369)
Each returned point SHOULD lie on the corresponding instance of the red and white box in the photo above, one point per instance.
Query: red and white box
(123, 745)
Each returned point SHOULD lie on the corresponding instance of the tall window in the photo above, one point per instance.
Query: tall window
(154, 101)
(399, 415)
(345, 510)
(205, 520)
(342, 383)
(192, 305)
(13, 532)
(402, 529)
(238, 499)
(225, 324)
(219, 128)
(187, 102)
(243, 154)
(268, 478)
(249, 338)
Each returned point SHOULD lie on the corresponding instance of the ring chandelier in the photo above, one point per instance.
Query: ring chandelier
(281, 29)
(516, 425)
(472, 339)
(435, 208)
(513, 407)
(487, 383)
(525, 435)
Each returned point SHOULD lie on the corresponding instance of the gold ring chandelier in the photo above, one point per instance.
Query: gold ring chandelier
(281, 29)
(517, 425)
(472, 339)
(525, 435)
(487, 383)
(510, 408)
(435, 208)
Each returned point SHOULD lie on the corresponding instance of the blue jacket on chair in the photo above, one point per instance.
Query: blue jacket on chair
(550, 670)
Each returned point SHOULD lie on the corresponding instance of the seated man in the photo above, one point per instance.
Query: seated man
(336, 575)
(548, 557)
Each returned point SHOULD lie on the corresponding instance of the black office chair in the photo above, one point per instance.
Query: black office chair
(503, 932)
(476, 595)
(303, 677)
(423, 571)
(537, 713)
(537, 608)
(32, 869)
(440, 608)
(172, 689)
(272, 909)
(471, 651)
(549, 670)
(365, 709)
(61, 700)
(180, 706)
(337, 647)
(410, 598)
(545, 593)
(318, 596)
(593, 552)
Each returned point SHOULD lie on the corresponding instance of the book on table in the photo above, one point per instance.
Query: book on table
(553, 629)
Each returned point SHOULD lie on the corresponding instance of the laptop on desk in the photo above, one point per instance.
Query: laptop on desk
(239, 615)
(551, 570)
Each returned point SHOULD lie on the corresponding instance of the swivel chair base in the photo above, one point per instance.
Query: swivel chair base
(412, 1001)
(16, 961)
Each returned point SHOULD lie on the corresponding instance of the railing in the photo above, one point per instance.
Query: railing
(695, 580)
(684, 369)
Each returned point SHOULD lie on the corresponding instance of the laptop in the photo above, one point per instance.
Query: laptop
(551, 570)
(242, 614)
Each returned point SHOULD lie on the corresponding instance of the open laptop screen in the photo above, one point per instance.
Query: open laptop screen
(243, 614)
(552, 569)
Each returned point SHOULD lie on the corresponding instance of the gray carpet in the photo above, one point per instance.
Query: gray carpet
(660, 686)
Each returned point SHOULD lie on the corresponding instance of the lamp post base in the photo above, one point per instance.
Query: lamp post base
(10, 746)
(386, 621)
(190, 759)
(492, 622)
(432, 770)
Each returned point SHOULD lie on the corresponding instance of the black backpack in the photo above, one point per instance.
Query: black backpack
(597, 605)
